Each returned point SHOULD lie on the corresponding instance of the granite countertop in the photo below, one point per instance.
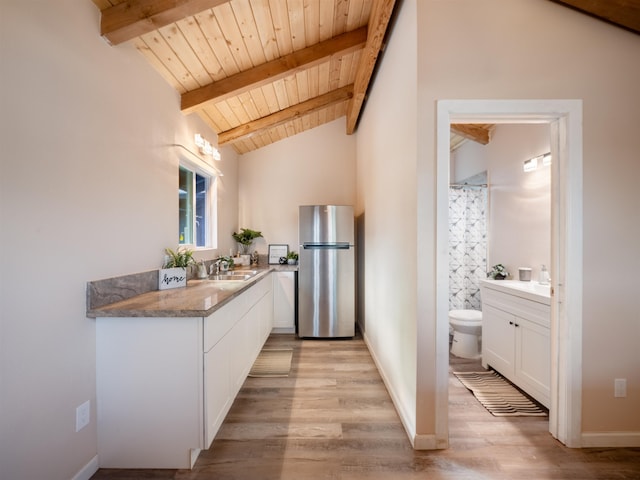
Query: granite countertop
(200, 298)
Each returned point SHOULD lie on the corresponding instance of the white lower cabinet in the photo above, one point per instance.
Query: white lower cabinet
(284, 302)
(516, 341)
(165, 385)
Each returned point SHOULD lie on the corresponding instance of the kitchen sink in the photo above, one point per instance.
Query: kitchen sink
(237, 276)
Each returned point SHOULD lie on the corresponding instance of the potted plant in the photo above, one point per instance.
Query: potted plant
(498, 272)
(292, 258)
(245, 238)
(226, 263)
(173, 273)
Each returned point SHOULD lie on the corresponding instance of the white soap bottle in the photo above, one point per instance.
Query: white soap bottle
(544, 276)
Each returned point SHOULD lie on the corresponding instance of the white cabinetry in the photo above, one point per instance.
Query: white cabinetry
(284, 302)
(233, 337)
(164, 385)
(516, 340)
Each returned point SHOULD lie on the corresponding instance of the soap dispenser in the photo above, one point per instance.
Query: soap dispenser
(544, 276)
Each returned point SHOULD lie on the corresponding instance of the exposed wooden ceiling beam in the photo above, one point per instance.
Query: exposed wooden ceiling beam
(472, 132)
(133, 18)
(274, 70)
(624, 13)
(283, 116)
(379, 18)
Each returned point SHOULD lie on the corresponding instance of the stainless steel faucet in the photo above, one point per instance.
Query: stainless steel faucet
(215, 267)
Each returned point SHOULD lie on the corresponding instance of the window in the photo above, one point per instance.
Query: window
(196, 206)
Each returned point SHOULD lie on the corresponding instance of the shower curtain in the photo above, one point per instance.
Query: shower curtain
(467, 246)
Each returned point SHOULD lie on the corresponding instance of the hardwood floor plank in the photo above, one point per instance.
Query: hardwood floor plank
(332, 418)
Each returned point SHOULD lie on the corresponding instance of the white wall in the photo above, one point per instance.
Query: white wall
(576, 57)
(387, 216)
(87, 191)
(315, 167)
(519, 206)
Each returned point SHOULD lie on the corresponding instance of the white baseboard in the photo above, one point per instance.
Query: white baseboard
(407, 423)
(425, 442)
(88, 470)
(282, 330)
(610, 439)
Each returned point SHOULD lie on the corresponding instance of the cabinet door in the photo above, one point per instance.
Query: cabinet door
(217, 392)
(498, 344)
(266, 317)
(284, 300)
(533, 360)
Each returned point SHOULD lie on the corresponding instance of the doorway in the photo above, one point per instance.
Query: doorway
(564, 118)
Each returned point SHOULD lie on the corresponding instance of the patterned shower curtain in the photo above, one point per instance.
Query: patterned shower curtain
(467, 246)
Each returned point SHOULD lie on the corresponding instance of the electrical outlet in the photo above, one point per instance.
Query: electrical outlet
(620, 387)
(83, 415)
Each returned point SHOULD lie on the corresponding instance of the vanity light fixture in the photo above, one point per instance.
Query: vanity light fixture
(206, 148)
(542, 160)
(530, 165)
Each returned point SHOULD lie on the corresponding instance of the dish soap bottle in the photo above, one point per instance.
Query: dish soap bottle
(544, 276)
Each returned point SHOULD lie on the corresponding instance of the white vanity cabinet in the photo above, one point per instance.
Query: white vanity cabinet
(284, 302)
(164, 385)
(516, 338)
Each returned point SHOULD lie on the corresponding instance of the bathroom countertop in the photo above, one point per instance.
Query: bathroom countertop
(200, 298)
(530, 290)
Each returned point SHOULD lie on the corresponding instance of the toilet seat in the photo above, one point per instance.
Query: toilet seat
(466, 315)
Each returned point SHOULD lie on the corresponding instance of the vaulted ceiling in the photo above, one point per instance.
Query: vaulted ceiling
(258, 71)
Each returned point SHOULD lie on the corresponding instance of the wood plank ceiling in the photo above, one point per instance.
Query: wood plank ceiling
(258, 71)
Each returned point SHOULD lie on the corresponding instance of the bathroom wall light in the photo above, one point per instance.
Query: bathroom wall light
(530, 165)
(542, 160)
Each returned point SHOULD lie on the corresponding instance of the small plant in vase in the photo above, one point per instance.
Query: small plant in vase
(498, 272)
(245, 238)
(292, 258)
(226, 264)
(173, 273)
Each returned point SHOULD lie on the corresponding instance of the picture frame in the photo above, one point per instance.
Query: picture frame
(277, 250)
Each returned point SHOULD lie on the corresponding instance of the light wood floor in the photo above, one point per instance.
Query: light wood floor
(332, 418)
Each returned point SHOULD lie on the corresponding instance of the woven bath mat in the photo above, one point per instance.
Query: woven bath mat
(272, 363)
(498, 396)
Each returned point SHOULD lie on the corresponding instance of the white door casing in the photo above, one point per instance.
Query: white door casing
(565, 120)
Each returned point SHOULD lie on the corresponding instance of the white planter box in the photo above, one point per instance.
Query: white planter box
(172, 278)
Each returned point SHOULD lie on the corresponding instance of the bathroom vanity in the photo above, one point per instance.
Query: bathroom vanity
(516, 318)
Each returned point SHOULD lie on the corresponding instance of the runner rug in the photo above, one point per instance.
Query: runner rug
(499, 396)
(272, 363)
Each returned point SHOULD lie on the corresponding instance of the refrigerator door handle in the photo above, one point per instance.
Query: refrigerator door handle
(326, 246)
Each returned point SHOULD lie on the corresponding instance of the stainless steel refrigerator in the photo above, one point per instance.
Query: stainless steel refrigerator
(326, 272)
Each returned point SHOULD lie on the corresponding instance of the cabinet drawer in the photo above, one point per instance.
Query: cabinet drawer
(533, 311)
(218, 324)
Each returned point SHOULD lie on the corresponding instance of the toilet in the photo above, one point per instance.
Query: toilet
(467, 328)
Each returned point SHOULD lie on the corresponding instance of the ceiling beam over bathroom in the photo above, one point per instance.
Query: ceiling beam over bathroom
(480, 133)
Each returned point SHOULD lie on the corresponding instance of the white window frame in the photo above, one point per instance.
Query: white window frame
(200, 167)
